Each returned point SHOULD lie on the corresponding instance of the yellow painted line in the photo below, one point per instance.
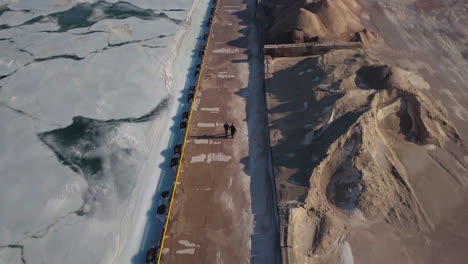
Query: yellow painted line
(183, 148)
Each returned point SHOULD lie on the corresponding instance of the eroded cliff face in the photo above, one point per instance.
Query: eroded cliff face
(375, 159)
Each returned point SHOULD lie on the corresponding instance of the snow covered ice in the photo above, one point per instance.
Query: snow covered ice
(88, 92)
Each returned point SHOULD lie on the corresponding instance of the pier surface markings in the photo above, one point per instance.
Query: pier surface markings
(211, 209)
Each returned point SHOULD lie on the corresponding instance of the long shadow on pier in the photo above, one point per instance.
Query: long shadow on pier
(215, 136)
(265, 236)
(154, 228)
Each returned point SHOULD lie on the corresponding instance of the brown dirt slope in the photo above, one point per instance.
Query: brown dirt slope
(315, 20)
(365, 162)
(369, 146)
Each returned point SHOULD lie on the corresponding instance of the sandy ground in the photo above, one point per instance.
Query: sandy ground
(224, 208)
(369, 146)
(361, 154)
(429, 38)
(314, 21)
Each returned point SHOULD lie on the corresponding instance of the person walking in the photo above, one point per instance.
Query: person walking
(233, 130)
(226, 129)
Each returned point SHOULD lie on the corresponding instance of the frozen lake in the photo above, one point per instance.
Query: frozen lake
(90, 92)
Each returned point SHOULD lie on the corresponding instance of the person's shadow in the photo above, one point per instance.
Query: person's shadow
(215, 136)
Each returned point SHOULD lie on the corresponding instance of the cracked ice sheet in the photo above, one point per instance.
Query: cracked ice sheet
(82, 250)
(94, 238)
(39, 190)
(15, 18)
(42, 44)
(130, 29)
(44, 7)
(121, 82)
(10, 255)
(11, 58)
(126, 75)
(125, 69)
(34, 185)
(25, 30)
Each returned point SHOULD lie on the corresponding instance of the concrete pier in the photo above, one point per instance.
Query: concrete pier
(224, 207)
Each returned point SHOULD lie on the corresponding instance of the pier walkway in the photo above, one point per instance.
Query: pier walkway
(224, 207)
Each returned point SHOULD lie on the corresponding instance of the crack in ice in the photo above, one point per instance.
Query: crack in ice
(21, 112)
(84, 15)
(5, 8)
(41, 233)
(78, 58)
(17, 246)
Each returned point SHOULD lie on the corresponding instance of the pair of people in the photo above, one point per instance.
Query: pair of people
(227, 128)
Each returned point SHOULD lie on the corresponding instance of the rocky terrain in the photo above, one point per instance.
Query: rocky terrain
(369, 146)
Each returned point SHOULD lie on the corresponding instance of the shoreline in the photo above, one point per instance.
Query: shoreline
(152, 230)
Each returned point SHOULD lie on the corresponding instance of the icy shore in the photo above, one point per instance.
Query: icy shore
(88, 92)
